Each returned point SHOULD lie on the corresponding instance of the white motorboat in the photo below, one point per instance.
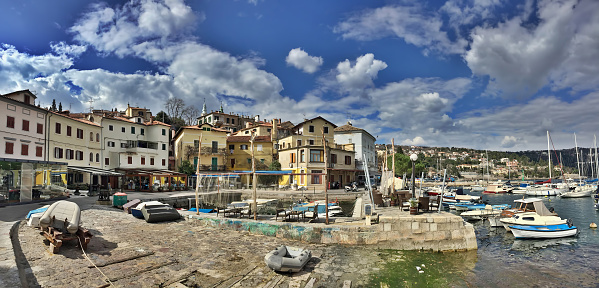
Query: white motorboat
(544, 231)
(489, 211)
(543, 191)
(521, 206)
(538, 218)
(579, 192)
(497, 187)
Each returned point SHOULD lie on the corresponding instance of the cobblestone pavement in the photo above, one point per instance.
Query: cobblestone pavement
(182, 252)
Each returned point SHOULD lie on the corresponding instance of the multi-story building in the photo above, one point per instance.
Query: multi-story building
(213, 152)
(303, 153)
(76, 141)
(230, 122)
(240, 154)
(363, 146)
(24, 172)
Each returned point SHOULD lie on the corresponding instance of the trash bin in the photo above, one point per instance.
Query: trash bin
(119, 199)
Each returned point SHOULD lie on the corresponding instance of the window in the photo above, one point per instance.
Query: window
(216, 118)
(69, 130)
(316, 178)
(143, 160)
(163, 146)
(302, 156)
(268, 130)
(228, 120)
(79, 133)
(152, 161)
(124, 145)
(311, 129)
(347, 160)
(142, 131)
(24, 149)
(243, 147)
(69, 154)
(39, 151)
(250, 161)
(196, 143)
(233, 163)
(40, 128)
(106, 161)
(262, 161)
(58, 153)
(259, 147)
(8, 149)
(123, 129)
(97, 137)
(10, 122)
(299, 142)
(214, 146)
(91, 136)
(27, 99)
(111, 144)
(209, 119)
(163, 162)
(129, 160)
(316, 156)
(311, 141)
(132, 130)
(163, 131)
(91, 157)
(25, 125)
(326, 129)
(110, 128)
(98, 157)
(232, 121)
(333, 158)
(57, 128)
(292, 158)
(79, 155)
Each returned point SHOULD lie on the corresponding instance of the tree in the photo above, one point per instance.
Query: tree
(190, 114)
(60, 107)
(186, 168)
(190, 151)
(163, 117)
(270, 179)
(174, 107)
(53, 107)
(177, 123)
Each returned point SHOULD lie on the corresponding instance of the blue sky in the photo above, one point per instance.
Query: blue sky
(486, 74)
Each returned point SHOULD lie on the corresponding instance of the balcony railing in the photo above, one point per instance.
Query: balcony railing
(213, 151)
(212, 168)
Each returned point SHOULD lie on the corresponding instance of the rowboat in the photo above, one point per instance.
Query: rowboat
(543, 231)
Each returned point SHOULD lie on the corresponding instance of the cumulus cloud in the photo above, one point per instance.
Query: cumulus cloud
(299, 59)
(508, 142)
(361, 74)
(417, 141)
(409, 22)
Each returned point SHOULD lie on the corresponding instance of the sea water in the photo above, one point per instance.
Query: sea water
(503, 261)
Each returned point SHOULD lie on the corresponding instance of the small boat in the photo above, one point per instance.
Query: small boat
(543, 231)
(287, 259)
(136, 211)
(521, 189)
(479, 206)
(497, 188)
(543, 191)
(489, 211)
(159, 212)
(579, 192)
(531, 219)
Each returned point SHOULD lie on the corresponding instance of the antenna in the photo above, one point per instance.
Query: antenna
(91, 101)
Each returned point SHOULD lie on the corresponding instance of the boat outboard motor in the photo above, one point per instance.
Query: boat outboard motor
(551, 210)
(569, 222)
(459, 191)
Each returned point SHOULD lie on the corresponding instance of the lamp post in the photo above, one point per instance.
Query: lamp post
(413, 157)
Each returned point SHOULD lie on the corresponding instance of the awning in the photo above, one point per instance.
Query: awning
(153, 172)
(94, 171)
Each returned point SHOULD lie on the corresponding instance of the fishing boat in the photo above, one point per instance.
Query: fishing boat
(538, 218)
(543, 231)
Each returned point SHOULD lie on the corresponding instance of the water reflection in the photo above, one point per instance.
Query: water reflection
(534, 245)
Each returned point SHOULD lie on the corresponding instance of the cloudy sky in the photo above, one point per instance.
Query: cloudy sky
(486, 74)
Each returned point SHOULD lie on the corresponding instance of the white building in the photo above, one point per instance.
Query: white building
(363, 145)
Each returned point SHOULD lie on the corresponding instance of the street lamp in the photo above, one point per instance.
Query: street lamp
(413, 157)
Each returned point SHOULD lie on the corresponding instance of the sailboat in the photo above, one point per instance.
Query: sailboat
(581, 190)
(546, 189)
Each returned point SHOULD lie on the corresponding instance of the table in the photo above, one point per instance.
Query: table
(297, 214)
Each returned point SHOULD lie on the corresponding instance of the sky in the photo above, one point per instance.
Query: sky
(482, 74)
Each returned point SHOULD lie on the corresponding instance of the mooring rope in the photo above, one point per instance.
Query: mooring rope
(90, 261)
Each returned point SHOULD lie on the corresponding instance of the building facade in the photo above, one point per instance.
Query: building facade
(364, 145)
(213, 154)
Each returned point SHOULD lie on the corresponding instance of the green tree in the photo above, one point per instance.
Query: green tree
(163, 117)
(270, 179)
(53, 107)
(60, 107)
(186, 168)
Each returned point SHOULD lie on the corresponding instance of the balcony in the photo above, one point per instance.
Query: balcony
(212, 167)
(213, 151)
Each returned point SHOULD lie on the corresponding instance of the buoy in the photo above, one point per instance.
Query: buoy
(593, 225)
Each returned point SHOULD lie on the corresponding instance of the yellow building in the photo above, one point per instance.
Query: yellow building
(240, 154)
(303, 153)
(213, 151)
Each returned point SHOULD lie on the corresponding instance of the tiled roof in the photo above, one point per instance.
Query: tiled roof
(347, 127)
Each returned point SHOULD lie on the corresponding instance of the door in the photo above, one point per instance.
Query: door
(214, 163)
(233, 163)
(302, 177)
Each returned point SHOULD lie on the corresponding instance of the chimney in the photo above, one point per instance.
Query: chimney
(248, 124)
(274, 135)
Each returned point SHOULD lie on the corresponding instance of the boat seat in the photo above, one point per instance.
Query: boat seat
(62, 215)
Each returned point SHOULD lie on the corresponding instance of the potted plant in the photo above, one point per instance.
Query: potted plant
(393, 199)
(170, 187)
(413, 206)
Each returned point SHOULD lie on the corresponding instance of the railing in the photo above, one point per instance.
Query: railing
(213, 151)
(212, 168)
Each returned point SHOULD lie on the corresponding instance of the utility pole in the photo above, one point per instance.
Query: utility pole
(326, 169)
(393, 164)
(198, 176)
(254, 178)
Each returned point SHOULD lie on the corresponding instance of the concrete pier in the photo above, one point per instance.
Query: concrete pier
(395, 230)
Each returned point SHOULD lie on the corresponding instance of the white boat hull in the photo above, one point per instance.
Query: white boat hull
(546, 234)
(543, 192)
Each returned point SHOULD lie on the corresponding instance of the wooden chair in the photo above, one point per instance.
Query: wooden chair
(243, 211)
(434, 202)
(403, 203)
(311, 214)
(423, 203)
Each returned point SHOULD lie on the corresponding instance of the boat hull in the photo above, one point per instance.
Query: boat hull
(543, 232)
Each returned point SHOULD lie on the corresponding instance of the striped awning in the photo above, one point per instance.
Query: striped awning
(94, 171)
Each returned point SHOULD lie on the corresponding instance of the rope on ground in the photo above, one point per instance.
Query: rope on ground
(90, 261)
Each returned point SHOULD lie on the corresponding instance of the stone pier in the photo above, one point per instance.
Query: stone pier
(395, 230)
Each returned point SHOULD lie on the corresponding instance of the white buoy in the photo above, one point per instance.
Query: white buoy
(593, 225)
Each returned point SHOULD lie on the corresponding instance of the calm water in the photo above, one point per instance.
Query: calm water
(503, 261)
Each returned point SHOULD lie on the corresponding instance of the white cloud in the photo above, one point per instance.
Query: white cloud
(508, 142)
(411, 23)
(360, 75)
(417, 141)
(299, 59)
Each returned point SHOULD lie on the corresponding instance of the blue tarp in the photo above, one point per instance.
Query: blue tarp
(39, 210)
(591, 180)
(202, 210)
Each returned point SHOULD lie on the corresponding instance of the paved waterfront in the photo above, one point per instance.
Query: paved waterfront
(182, 251)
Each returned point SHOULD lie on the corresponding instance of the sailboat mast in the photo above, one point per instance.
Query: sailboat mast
(549, 154)
(577, 159)
(591, 156)
(596, 159)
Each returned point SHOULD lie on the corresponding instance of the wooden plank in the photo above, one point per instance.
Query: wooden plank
(119, 260)
(274, 281)
(178, 277)
(310, 283)
(153, 267)
(233, 280)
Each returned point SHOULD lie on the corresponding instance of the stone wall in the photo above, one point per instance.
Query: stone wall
(436, 232)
